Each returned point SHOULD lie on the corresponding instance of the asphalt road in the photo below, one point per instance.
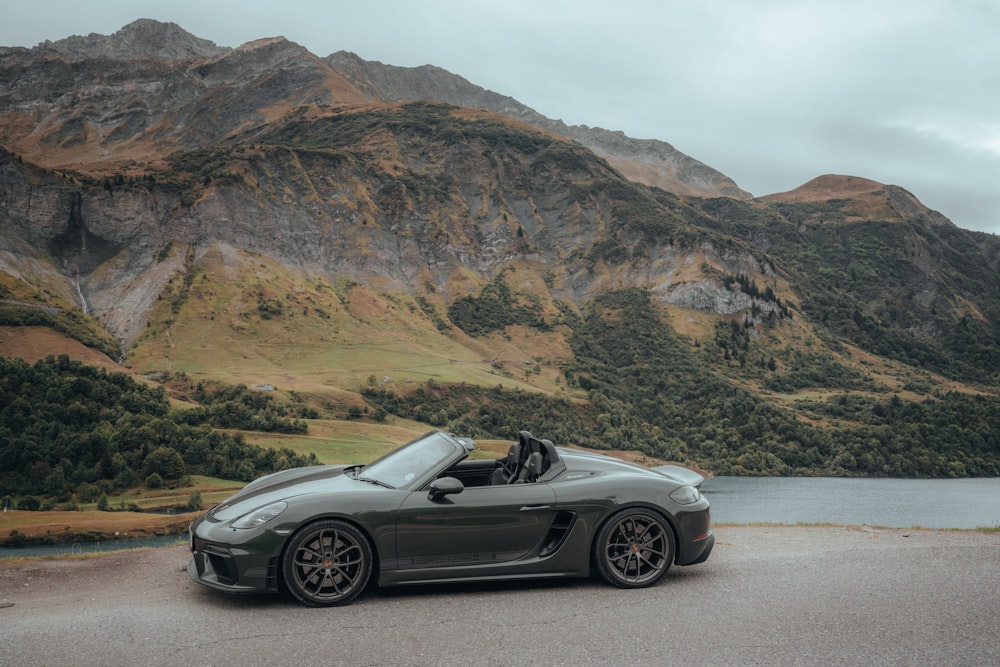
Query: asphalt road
(768, 596)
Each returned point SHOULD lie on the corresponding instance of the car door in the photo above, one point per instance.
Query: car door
(485, 525)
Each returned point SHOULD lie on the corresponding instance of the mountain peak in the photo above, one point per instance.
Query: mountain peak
(143, 38)
(826, 187)
(263, 43)
(860, 199)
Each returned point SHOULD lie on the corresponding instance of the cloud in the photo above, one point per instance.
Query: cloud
(976, 136)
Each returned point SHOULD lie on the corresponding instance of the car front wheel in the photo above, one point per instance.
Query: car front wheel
(634, 548)
(327, 563)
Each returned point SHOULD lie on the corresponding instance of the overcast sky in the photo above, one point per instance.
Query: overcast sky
(770, 92)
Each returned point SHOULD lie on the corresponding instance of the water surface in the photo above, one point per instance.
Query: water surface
(893, 503)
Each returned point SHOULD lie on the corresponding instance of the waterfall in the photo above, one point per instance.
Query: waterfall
(83, 302)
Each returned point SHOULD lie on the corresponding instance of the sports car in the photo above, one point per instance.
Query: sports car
(428, 513)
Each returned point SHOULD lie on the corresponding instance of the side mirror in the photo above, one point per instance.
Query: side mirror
(444, 486)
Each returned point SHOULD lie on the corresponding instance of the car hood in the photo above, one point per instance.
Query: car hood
(280, 486)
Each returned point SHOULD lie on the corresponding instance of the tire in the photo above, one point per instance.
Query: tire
(327, 563)
(634, 548)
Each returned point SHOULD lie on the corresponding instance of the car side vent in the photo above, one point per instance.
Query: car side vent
(557, 533)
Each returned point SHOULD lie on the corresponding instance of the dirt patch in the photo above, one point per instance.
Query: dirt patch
(59, 526)
(34, 343)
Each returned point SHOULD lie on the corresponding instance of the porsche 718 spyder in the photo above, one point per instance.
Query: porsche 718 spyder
(427, 513)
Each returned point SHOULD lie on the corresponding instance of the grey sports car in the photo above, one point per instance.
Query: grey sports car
(427, 513)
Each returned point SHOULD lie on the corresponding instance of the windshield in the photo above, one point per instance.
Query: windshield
(412, 461)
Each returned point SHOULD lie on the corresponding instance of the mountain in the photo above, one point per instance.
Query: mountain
(401, 242)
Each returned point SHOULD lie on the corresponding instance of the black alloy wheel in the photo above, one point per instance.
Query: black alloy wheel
(327, 563)
(634, 548)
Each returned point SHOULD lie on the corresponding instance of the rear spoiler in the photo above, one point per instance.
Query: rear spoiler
(682, 475)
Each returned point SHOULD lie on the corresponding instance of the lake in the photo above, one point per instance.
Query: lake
(893, 503)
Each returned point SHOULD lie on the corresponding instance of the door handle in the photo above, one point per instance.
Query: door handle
(531, 508)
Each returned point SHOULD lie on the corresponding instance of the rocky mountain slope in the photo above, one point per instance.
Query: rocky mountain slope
(260, 214)
(647, 161)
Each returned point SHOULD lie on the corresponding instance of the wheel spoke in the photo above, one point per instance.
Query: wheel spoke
(649, 551)
(346, 563)
(329, 576)
(629, 563)
(344, 575)
(347, 549)
(314, 583)
(308, 567)
(307, 549)
(641, 558)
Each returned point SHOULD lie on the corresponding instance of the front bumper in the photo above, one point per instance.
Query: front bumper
(229, 568)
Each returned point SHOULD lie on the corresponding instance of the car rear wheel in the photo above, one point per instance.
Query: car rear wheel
(327, 563)
(634, 548)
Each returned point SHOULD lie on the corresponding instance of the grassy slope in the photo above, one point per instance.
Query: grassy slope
(34, 343)
(252, 321)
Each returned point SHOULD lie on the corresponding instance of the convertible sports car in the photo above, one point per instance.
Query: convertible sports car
(427, 513)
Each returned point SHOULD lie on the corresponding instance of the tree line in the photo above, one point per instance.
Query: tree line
(71, 431)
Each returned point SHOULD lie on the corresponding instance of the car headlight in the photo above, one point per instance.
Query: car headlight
(260, 516)
(685, 495)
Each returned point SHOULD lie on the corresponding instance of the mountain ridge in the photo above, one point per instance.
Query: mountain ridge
(647, 161)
